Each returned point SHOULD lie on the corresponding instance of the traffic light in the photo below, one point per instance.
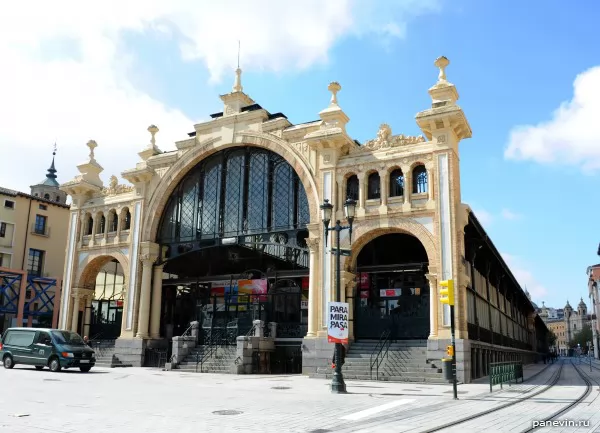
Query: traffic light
(450, 350)
(447, 292)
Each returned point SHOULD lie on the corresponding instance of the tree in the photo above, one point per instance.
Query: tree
(582, 337)
(551, 339)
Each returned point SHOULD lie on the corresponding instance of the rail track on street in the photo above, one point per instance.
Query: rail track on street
(545, 388)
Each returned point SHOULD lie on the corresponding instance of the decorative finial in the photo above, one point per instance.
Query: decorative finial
(92, 145)
(153, 129)
(239, 45)
(334, 87)
(54, 151)
(237, 84)
(441, 63)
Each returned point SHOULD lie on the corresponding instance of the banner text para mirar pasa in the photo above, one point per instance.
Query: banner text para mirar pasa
(338, 317)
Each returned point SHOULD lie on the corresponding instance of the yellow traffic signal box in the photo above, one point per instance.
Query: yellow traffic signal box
(450, 350)
(447, 292)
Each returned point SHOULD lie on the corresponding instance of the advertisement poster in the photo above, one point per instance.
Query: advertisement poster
(364, 281)
(256, 288)
(337, 322)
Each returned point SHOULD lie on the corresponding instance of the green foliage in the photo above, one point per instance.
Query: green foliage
(551, 339)
(582, 336)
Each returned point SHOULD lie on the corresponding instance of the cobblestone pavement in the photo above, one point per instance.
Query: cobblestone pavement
(147, 400)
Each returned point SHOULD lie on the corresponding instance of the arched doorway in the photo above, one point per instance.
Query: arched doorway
(107, 307)
(233, 227)
(101, 286)
(392, 290)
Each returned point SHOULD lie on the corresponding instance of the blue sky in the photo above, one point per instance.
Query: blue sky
(514, 64)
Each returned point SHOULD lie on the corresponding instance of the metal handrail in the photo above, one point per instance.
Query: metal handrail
(216, 337)
(384, 343)
(187, 332)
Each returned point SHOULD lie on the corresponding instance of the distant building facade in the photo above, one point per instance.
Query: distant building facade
(566, 323)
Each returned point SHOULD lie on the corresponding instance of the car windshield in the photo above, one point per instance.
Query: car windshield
(66, 337)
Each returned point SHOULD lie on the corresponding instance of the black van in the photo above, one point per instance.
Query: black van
(41, 347)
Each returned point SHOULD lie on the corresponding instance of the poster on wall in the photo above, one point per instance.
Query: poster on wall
(256, 288)
(337, 322)
(364, 280)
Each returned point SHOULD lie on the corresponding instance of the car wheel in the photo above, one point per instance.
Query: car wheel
(54, 365)
(8, 362)
(39, 367)
(85, 369)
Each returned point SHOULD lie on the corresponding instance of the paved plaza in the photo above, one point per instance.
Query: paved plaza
(150, 400)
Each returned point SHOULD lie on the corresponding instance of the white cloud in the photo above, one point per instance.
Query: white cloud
(571, 136)
(484, 217)
(518, 267)
(66, 71)
(510, 215)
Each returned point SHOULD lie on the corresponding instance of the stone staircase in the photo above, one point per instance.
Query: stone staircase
(105, 354)
(406, 361)
(220, 360)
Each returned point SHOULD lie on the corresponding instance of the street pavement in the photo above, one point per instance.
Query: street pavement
(136, 400)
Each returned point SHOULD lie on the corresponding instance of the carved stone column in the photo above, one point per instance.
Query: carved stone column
(75, 312)
(313, 287)
(83, 227)
(157, 280)
(407, 187)
(362, 194)
(384, 183)
(433, 305)
(106, 226)
(144, 311)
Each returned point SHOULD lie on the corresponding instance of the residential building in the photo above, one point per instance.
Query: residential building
(33, 238)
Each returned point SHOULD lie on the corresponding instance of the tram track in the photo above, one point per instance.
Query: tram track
(548, 385)
(574, 403)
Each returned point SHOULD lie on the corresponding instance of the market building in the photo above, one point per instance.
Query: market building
(227, 230)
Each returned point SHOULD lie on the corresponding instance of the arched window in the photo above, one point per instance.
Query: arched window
(419, 179)
(374, 186)
(47, 196)
(102, 224)
(352, 187)
(396, 183)
(127, 220)
(114, 221)
(57, 198)
(235, 192)
(90, 225)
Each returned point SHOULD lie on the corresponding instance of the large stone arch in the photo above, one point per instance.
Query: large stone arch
(89, 267)
(365, 231)
(191, 158)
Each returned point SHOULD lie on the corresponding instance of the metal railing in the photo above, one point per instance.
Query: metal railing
(503, 372)
(380, 352)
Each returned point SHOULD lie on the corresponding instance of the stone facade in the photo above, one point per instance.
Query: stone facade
(121, 222)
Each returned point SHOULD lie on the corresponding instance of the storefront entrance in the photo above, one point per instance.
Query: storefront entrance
(392, 291)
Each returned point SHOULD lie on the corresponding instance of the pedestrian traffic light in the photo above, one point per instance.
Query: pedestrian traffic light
(447, 292)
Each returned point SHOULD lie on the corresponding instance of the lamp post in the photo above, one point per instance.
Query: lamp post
(338, 386)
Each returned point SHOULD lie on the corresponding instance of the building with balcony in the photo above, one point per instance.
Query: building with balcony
(33, 238)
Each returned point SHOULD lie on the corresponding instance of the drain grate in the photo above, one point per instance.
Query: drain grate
(227, 412)
(281, 387)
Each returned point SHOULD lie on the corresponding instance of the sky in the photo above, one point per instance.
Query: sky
(526, 73)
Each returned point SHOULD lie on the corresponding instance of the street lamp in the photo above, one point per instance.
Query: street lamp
(338, 386)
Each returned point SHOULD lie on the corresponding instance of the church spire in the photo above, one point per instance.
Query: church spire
(51, 175)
